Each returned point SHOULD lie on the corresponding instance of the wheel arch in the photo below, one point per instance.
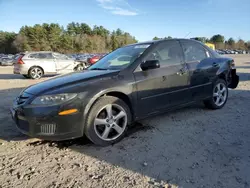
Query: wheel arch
(119, 94)
(222, 74)
(34, 67)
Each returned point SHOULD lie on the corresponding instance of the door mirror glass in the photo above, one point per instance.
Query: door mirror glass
(150, 64)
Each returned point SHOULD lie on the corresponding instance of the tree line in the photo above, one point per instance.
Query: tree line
(81, 38)
(220, 42)
(74, 38)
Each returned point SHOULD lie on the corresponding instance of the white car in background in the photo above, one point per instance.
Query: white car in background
(36, 64)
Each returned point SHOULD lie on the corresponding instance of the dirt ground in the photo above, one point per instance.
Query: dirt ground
(191, 147)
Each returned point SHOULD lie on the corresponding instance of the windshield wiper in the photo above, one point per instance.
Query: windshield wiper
(98, 69)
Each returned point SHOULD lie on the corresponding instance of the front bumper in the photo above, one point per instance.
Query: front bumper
(46, 124)
(234, 79)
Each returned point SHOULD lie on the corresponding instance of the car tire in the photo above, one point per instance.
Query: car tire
(107, 121)
(79, 67)
(219, 95)
(35, 73)
(25, 76)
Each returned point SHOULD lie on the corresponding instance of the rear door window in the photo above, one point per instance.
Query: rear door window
(193, 51)
(41, 56)
(45, 56)
(33, 56)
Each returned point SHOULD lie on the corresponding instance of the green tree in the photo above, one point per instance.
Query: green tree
(231, 41)
(119, 32)
(86, 29)
(156, 38)
(217, 39)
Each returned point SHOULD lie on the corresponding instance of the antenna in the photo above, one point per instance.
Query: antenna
(187, 34)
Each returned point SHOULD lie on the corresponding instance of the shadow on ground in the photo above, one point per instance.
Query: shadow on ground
(191, 147)
(244, 76)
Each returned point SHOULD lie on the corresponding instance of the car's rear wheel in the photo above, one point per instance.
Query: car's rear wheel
(107, 121)
(35, 73)
(219, 95)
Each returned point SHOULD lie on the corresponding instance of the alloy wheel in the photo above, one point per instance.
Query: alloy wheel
(80, 67)
(110, 122)
(36, 73)
(220, 94)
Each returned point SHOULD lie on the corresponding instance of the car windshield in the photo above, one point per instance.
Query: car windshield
(120, 58)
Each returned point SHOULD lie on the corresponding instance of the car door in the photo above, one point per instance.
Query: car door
(64, 64)
(48, 62)
(167, 86)
(43, 60)
(198, 61)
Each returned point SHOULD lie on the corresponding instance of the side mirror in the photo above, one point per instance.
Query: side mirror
(150, 64)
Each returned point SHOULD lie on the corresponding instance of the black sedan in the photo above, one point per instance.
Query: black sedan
(130, 83)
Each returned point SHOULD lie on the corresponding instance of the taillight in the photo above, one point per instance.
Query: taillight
(93, 60)
(20, 61)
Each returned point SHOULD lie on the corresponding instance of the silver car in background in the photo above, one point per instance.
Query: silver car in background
(36, 64)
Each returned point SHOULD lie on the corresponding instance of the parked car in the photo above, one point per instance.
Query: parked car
(35, 64)
(95, 58)
(6, 61)
(130, 83)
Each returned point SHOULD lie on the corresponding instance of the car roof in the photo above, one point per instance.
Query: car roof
(162, 40)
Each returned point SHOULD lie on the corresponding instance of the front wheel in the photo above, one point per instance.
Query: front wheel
(80, 67)
(219, 95)
(107, 121)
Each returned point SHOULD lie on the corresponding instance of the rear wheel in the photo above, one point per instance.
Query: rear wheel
(107, 121)
(35, 73)
(219, 95)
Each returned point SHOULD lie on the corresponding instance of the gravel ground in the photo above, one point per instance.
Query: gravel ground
(191, 147)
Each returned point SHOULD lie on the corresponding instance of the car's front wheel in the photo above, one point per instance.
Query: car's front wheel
(219, 95)
(107, 121)
(80, 67)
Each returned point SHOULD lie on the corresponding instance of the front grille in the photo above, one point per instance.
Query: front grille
(48, 129)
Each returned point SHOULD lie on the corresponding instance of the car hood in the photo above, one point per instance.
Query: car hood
(69, 79)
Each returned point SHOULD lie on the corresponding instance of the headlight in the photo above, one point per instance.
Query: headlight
(53, 99)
